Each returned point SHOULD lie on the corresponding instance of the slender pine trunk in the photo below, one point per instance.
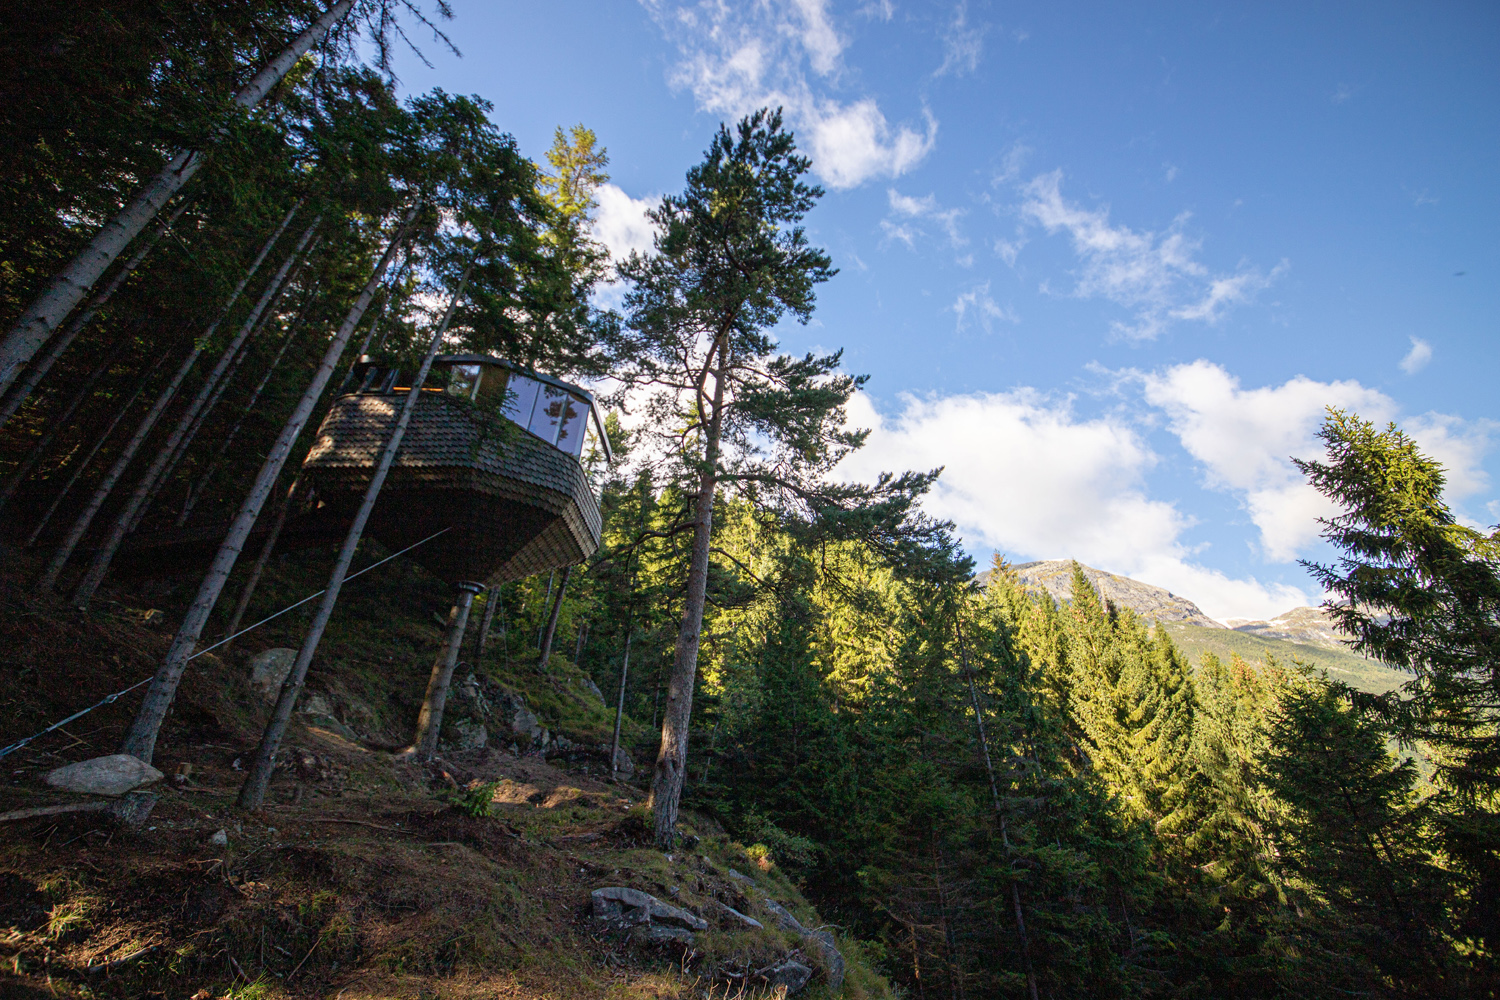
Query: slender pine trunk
(68, 287)
(551, 630)
(195, 493)
(253, 791)
(37, 370)
(491, 602)
(424, 743)
(140, 741)
(671, 759)
(614, 746)
(83, 463)
(148, 422)
(58, 422)
(984, 743)
(145, 489)
(583, 634)
(259, 567)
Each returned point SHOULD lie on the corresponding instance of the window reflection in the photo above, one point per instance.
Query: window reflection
(521, 399)
(548, 414)
(570, 436)
(463, 380)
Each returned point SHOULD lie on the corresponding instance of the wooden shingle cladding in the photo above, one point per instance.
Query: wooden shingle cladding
(515, 505)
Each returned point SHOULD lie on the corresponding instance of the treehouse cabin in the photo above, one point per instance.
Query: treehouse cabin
(501, 456)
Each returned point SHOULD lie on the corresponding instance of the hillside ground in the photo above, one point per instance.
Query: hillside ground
(365, 875)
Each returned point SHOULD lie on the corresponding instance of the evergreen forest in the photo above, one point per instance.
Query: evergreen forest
(212, 211)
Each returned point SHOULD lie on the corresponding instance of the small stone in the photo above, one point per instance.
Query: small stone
(115, 775)
(220, 838)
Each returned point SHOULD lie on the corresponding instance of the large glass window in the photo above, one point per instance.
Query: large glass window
(463, 380)
(548, 415)
(521, 399)
(575, 417)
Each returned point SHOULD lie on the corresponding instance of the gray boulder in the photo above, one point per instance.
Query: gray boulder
(466, 734)
(268, 671)
(788, 973)
(621, 908)
(115, 774)
(593, 689)
(732, 919)
(624, 766)
(511, 714)
(467, 699)
(819, 941)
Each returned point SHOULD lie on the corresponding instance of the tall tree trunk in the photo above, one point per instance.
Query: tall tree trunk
(58, 422)
(38, 369)
(614, 746)
(546, 601)
(148, 422)
(140, 741)
(424, 743)
(83, 463)
(73, 282)
(989, 766)
(491, 602)
(583, 634)
(253, 791)
(145, 489)
(671, 759)
(196, 493)
(551, 631)
(259, 567)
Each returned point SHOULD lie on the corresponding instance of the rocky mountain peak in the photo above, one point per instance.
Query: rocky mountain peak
(1055, 576)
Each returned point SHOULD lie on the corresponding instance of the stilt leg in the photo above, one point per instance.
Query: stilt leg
(430, 721)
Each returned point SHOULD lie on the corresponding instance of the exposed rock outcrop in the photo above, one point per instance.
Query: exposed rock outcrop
(819, 941)
(268, 671)
(644, 916)
(1311, 626)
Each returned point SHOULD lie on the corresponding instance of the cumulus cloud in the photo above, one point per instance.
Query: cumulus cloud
(735, 58)
(1027, 476)
(1245, 439)
(1416, 359)
(621, 223)
(1155, 275)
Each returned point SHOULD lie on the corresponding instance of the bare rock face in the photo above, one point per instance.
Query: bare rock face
(268, 671)
(731, 919)
(819, 941)
(1055, 576)
(621, 908)
(113, 775)
(788, 973)
(1311, 626)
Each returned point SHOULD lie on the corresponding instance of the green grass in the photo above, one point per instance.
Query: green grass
(1356, 671)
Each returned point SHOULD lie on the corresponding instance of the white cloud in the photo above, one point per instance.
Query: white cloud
(621, 223)
(1156, 275)
(926, 208)
(962, 45)
(1026, 476)
(1245, 439)
(1416, 359)
(879, 10)
(1460, 445)
(977, 304)
(739, 57)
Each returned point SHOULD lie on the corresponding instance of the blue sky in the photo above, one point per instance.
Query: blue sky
(1106, 263)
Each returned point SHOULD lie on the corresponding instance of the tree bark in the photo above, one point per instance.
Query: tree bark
(57, 423)
(196, 493)
(148, 422)
(145, 489)
(35, 372)
(491, 603)
(140, 741)
(984, 743)
(551, 631)
(73, 282)
(253, 792)
(83, 463)
(614, 747)
(671, 759)
(253, 580)
(430, 720)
